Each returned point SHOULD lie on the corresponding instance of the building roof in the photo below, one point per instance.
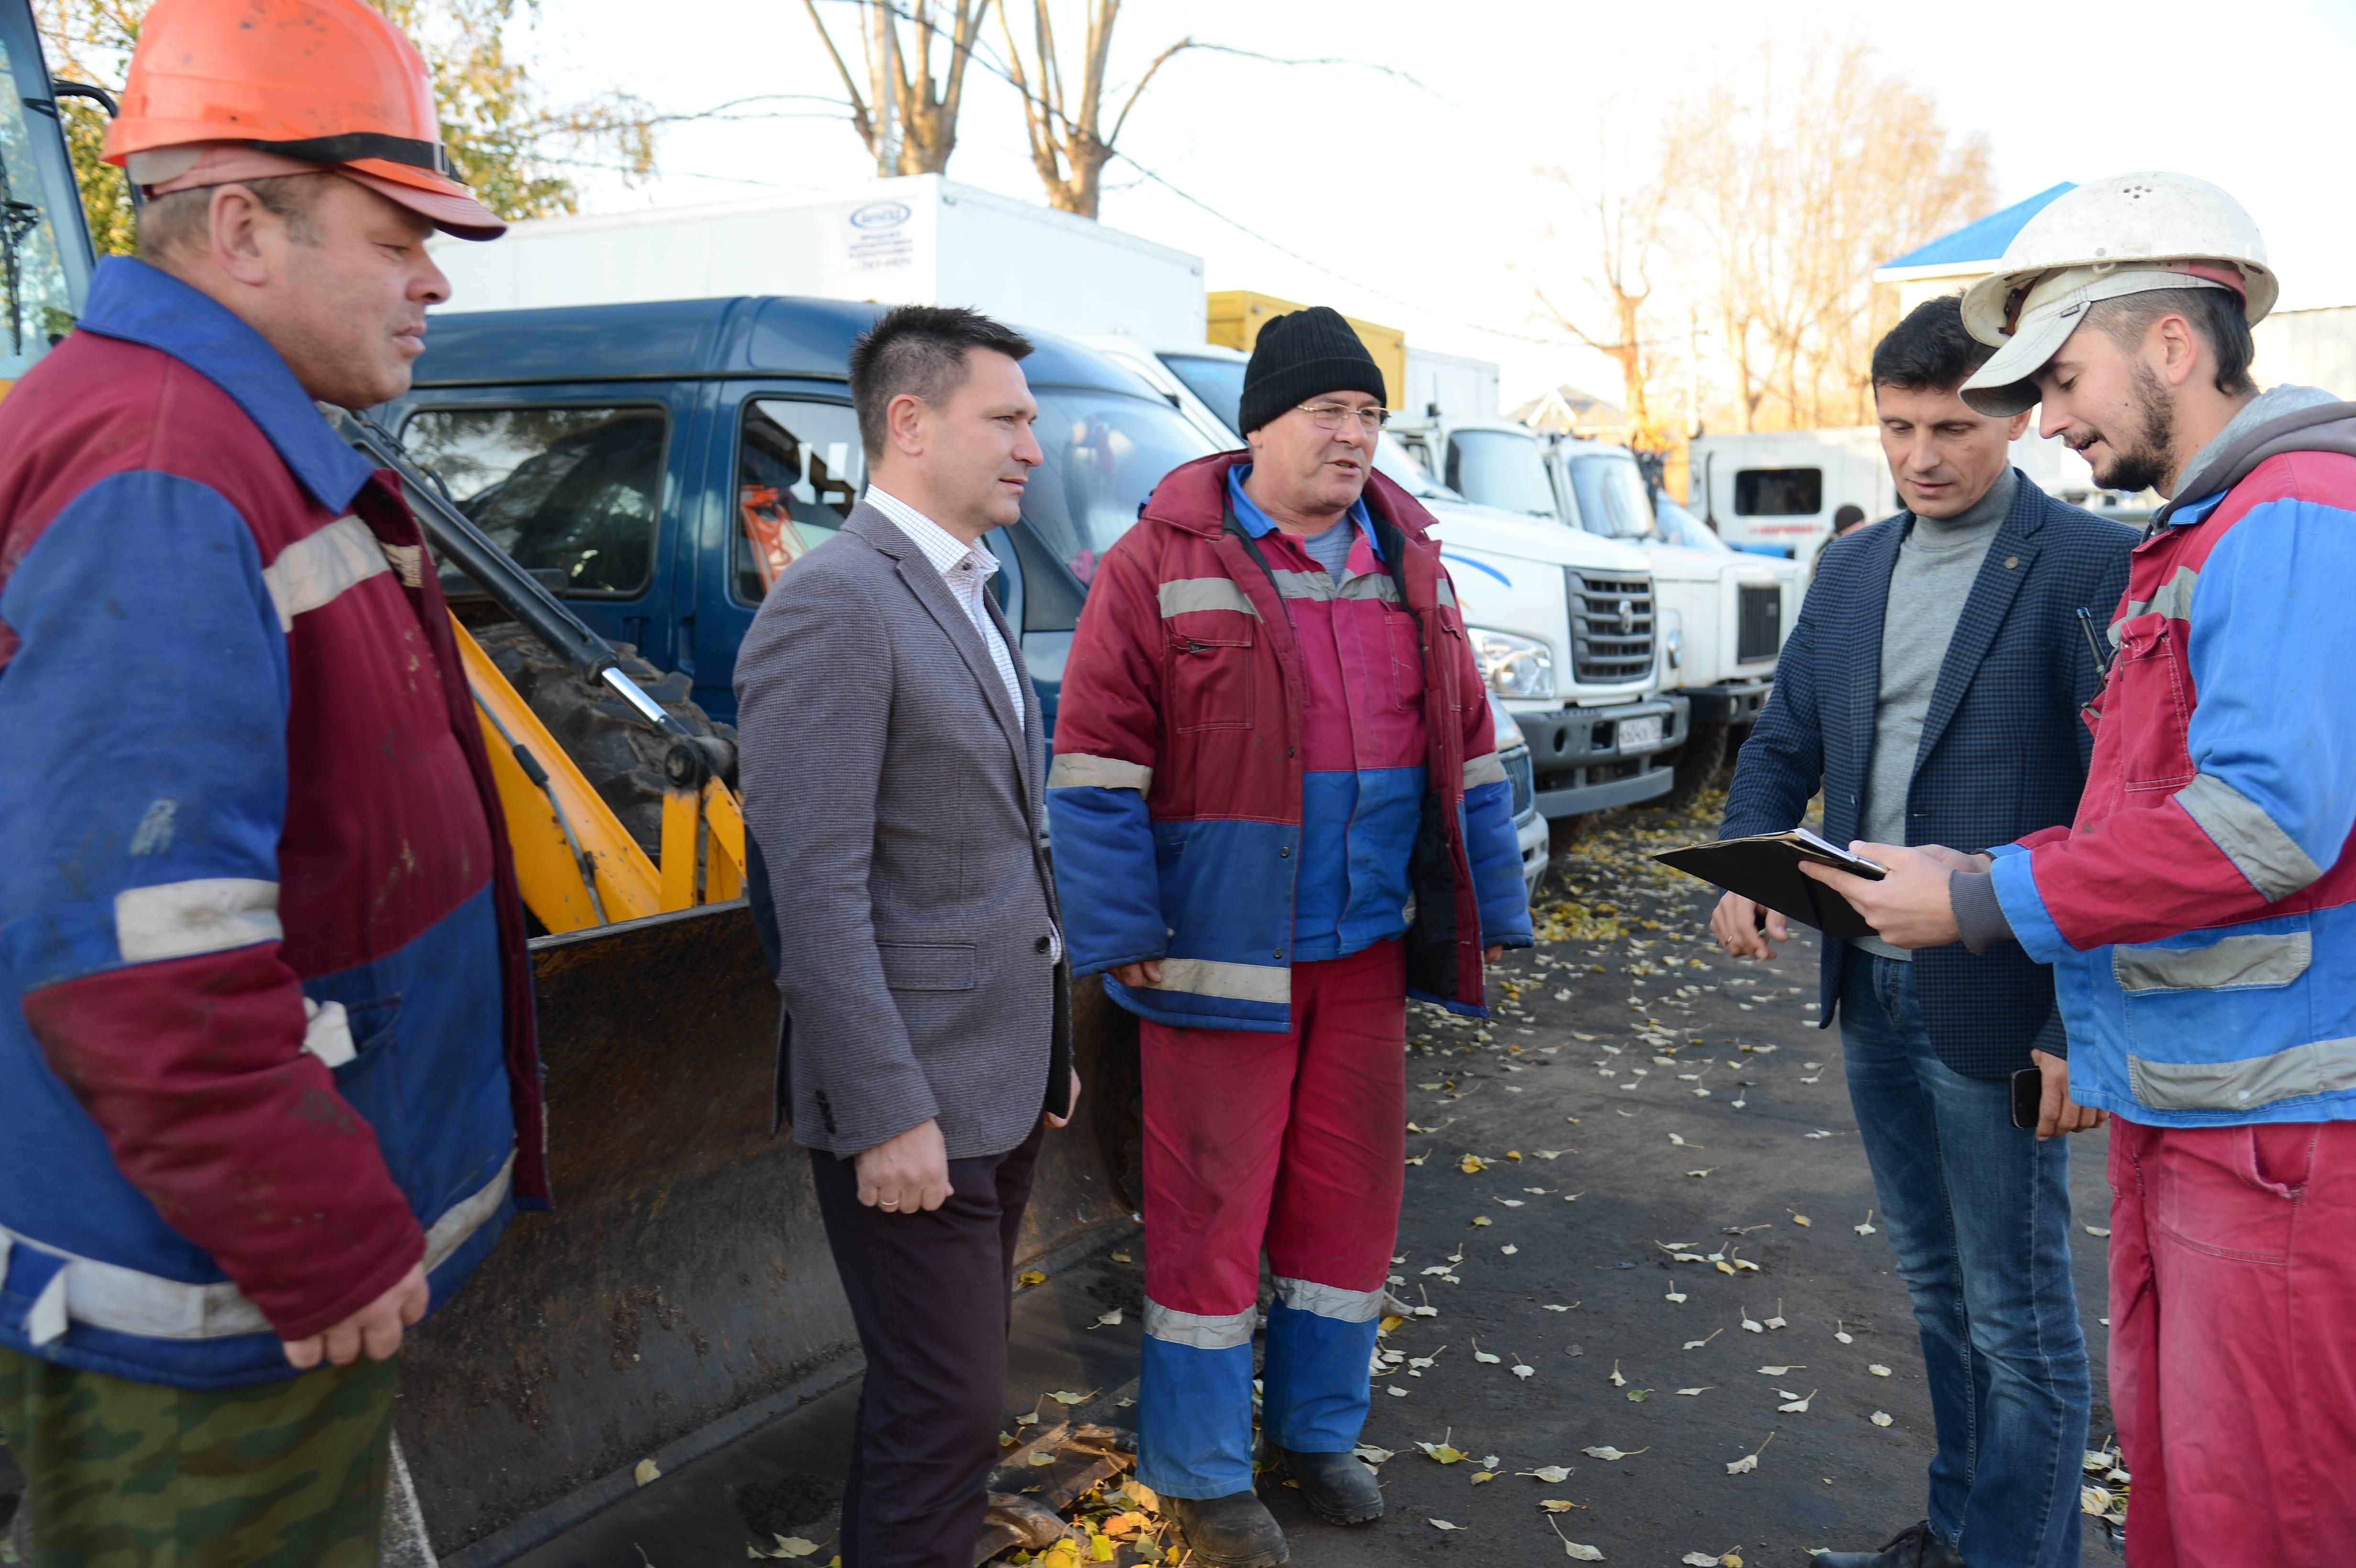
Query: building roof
(1977, 245)
(1569, 409)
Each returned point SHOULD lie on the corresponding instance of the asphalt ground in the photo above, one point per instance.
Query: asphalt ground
(1638, 1095)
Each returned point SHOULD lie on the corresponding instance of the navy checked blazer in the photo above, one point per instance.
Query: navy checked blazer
(2004, 748)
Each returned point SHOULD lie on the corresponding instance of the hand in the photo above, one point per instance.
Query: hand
(1147, 973)
(2057, 1113)
(907, 1173)
(1908, 908)
(1735, 924)
(374, 1330)
(1071, 1106)
(1492, 954)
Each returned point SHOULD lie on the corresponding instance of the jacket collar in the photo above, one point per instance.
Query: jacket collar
(139, 303)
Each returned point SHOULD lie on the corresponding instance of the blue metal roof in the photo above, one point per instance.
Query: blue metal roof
(1984, 240)
(694, 339)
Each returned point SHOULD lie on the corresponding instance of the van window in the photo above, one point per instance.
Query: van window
(1218, 382)
(1611, 497)
(799, 470)
(575, 490)
(1779, 492)
(1105, 453)
(1500, 468)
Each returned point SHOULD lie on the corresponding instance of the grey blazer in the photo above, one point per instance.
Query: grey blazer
(896, 810)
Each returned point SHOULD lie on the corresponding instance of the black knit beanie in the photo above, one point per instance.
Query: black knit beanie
(1305, 355)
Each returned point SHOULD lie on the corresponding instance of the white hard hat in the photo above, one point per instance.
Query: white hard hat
(2123, 235)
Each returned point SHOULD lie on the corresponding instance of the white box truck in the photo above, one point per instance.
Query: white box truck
(1449, 384)
(920, 239)
(1775, 492)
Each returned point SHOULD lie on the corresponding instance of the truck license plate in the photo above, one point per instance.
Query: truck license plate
(1636, 734)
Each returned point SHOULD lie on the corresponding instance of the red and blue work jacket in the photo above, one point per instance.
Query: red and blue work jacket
(265, 1006)
(1257, 765)
(2200, 913)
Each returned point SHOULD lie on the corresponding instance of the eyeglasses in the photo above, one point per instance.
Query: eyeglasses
(1333, 416)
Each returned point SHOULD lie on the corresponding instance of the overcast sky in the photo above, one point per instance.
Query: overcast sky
(1416, 199)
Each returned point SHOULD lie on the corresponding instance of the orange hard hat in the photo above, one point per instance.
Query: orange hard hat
(329, 84)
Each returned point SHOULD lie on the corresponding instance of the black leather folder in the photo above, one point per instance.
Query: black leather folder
(1765, 868)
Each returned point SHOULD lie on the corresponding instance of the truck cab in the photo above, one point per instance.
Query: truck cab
(1722, 616)
(45, 251)
(1562, 622)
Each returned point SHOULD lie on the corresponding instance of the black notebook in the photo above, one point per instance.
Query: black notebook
(1765, 868)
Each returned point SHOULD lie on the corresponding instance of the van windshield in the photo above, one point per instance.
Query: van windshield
(40, 277)
(1612, 499)
(1500, 468)
(1105, 455)
(1218, 382)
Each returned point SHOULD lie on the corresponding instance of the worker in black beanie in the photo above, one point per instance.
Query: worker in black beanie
(1301, 355)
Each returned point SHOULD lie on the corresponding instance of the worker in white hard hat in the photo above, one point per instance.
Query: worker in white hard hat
(2200, 913)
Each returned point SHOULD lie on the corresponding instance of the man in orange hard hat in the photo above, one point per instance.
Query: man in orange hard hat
(269, 1090)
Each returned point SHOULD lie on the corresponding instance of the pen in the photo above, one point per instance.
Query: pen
(2093, 644)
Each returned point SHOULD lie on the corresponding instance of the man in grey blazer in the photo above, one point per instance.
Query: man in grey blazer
(893, 759)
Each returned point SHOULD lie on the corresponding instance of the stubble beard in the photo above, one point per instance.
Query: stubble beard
(2151, 461)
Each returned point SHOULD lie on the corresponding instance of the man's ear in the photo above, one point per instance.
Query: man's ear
(2016, 423)
(234, 222)
(2176, 346)
(903, 420)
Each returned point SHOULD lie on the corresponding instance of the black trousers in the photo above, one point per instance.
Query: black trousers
(932, 1294)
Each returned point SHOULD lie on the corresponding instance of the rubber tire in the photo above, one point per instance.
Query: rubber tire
(1699, 761)
(618, 752)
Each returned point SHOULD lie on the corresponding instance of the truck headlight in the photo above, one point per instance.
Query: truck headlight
(1513, 666)
(1676, 643)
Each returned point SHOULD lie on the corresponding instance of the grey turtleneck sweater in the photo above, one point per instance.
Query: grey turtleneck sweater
(1937, 565)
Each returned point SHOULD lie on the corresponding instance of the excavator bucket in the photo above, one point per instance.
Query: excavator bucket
(682, 1290)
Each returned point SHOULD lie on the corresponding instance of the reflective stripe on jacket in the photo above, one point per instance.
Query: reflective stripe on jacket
(1181, 748)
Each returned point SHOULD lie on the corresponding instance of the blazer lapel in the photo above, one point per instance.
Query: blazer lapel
(2009, 555)
(1030, 731)
(933, 594)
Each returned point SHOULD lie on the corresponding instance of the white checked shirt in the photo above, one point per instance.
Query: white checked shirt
(967, 569)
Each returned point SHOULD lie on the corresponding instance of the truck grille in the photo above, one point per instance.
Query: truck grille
(1759, 632)
(1610, 626)
(1519, 773)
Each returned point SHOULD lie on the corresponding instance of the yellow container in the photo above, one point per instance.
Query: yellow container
(1236, 316)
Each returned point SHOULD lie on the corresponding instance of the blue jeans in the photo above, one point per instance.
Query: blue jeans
(1978, 1213)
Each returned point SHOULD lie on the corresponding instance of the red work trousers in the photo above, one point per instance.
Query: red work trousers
(2234, 1343)
(1294, 1141)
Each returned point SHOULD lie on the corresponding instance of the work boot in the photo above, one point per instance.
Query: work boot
(1916, 1546)
(1339, 1488)
(1232, 1531)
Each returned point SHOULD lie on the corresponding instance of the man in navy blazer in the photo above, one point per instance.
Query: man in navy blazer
(1932, 689)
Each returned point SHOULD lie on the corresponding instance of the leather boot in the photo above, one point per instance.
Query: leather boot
(1337, 1486)
(1916, 1546)
(1232, 1531)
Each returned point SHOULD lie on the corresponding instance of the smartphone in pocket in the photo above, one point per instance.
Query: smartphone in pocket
(2028, 1097)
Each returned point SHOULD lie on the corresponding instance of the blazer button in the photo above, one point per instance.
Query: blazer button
(1285, 853)
(1043, 945)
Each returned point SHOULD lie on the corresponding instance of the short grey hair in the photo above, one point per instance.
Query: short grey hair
(169, 222)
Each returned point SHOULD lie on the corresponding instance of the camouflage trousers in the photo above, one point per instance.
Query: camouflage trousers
(119, 1474)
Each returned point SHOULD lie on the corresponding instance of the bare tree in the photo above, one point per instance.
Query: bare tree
(1622, 213)
(1069, 146)
(1787, 181)
(908, 113)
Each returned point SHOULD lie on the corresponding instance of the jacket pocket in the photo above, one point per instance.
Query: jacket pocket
(1210, 679)
(2148, 709)
(928, 965)
(1406, 644)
